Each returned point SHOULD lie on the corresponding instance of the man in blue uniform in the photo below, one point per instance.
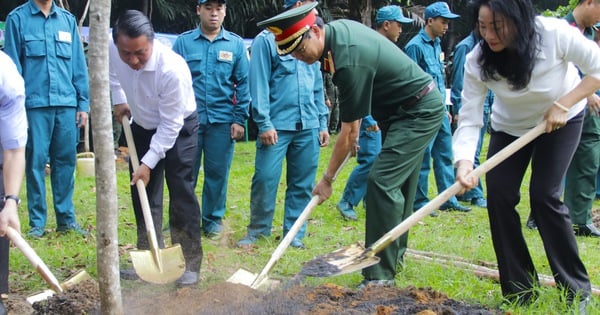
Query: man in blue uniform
(43, 41)
(389, 21)
(289, 109)
(425, 49)
(218, 61)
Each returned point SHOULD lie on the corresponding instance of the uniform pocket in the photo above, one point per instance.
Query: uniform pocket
(34, 46)
(64, 49)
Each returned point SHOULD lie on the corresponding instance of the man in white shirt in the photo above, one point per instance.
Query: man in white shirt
(152, 84)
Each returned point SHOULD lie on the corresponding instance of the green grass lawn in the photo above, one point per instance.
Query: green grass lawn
(465, 235)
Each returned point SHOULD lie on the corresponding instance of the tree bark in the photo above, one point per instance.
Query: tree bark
(106, 180)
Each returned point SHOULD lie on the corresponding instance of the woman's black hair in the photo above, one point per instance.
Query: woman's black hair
(516, 61)
(133, 24)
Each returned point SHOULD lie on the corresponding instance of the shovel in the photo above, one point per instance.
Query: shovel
(157, 265)
(355, 257)
(261, 280)
(42, 269)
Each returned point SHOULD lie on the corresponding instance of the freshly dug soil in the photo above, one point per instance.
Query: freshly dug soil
(228, 298)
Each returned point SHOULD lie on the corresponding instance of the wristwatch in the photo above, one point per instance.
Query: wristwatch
(13, 197)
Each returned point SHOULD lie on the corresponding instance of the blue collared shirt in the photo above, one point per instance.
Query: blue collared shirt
(49, 55)
(284, 91)
(220, 74)
(458, 75)
(427, 53)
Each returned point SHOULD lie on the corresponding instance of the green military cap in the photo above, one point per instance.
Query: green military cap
(289, 26)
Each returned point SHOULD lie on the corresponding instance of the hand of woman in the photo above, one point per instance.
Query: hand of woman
(555, 117)
(463, 168)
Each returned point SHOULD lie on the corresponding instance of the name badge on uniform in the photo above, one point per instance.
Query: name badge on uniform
(64, 36)
(442, 56)
(225, 55)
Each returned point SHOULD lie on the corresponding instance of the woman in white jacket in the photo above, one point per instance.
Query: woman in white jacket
(527, 61)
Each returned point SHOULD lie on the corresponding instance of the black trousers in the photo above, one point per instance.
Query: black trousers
(184, 210)
(4, 245)
(550, 155)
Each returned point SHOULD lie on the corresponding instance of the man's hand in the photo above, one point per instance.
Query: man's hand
(323, 190)
(121, 110)
(268, 137)
(81, 119)
(323, 138)
(593, 102)
(143, 173)
(9, 217)
(237, 131)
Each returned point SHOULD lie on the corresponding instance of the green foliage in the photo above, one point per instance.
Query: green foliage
(561, 10)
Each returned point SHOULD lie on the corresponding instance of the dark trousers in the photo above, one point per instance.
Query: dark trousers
(184, 210)
(3, 245)
(550, 155)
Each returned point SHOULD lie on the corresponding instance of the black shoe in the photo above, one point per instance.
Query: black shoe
(586, 230)
(187, 279)
(2, 308)
(128, 274)
(456, 207)
(531, 223)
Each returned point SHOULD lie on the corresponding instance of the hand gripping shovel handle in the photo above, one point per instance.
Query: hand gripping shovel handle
(436, 202)
(133, 157)
(34, 259)
(287, 240)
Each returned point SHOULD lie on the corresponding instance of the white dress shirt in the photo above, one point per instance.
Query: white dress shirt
(159, 96)
(516, 112)
(12, 106)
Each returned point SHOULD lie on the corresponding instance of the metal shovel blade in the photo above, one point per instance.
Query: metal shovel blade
(164, 266)
(79, 277)
(247, 278)
(344, 260)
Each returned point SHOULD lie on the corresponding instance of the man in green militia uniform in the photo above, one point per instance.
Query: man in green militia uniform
(373, 77)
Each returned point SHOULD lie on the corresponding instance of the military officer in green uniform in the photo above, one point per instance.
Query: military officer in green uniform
(373, 77)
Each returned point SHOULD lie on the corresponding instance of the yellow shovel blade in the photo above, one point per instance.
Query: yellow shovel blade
(245, 277)
(169, 267)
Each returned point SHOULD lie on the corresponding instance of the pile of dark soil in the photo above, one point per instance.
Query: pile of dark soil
(228, 298)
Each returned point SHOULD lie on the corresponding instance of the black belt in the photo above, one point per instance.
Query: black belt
(413, 100)
(298, 126)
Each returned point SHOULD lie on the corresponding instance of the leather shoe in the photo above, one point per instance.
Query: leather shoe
(479, 202)
(586, 230)
(128, 274)
(530, 224)
(187, 279)
(456, 207)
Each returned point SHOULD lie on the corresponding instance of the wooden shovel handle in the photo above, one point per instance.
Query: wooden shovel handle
(133, 157)
(436, 202)
(287, 240)
(34, 259)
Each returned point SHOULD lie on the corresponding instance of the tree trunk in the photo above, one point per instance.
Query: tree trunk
(106, 180)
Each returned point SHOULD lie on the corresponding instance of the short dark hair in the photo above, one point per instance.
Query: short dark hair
(133, 24)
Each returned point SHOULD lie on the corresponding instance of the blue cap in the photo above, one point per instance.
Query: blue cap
(391, 13)
(205, 1)
(439, 9)
(288, 3)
